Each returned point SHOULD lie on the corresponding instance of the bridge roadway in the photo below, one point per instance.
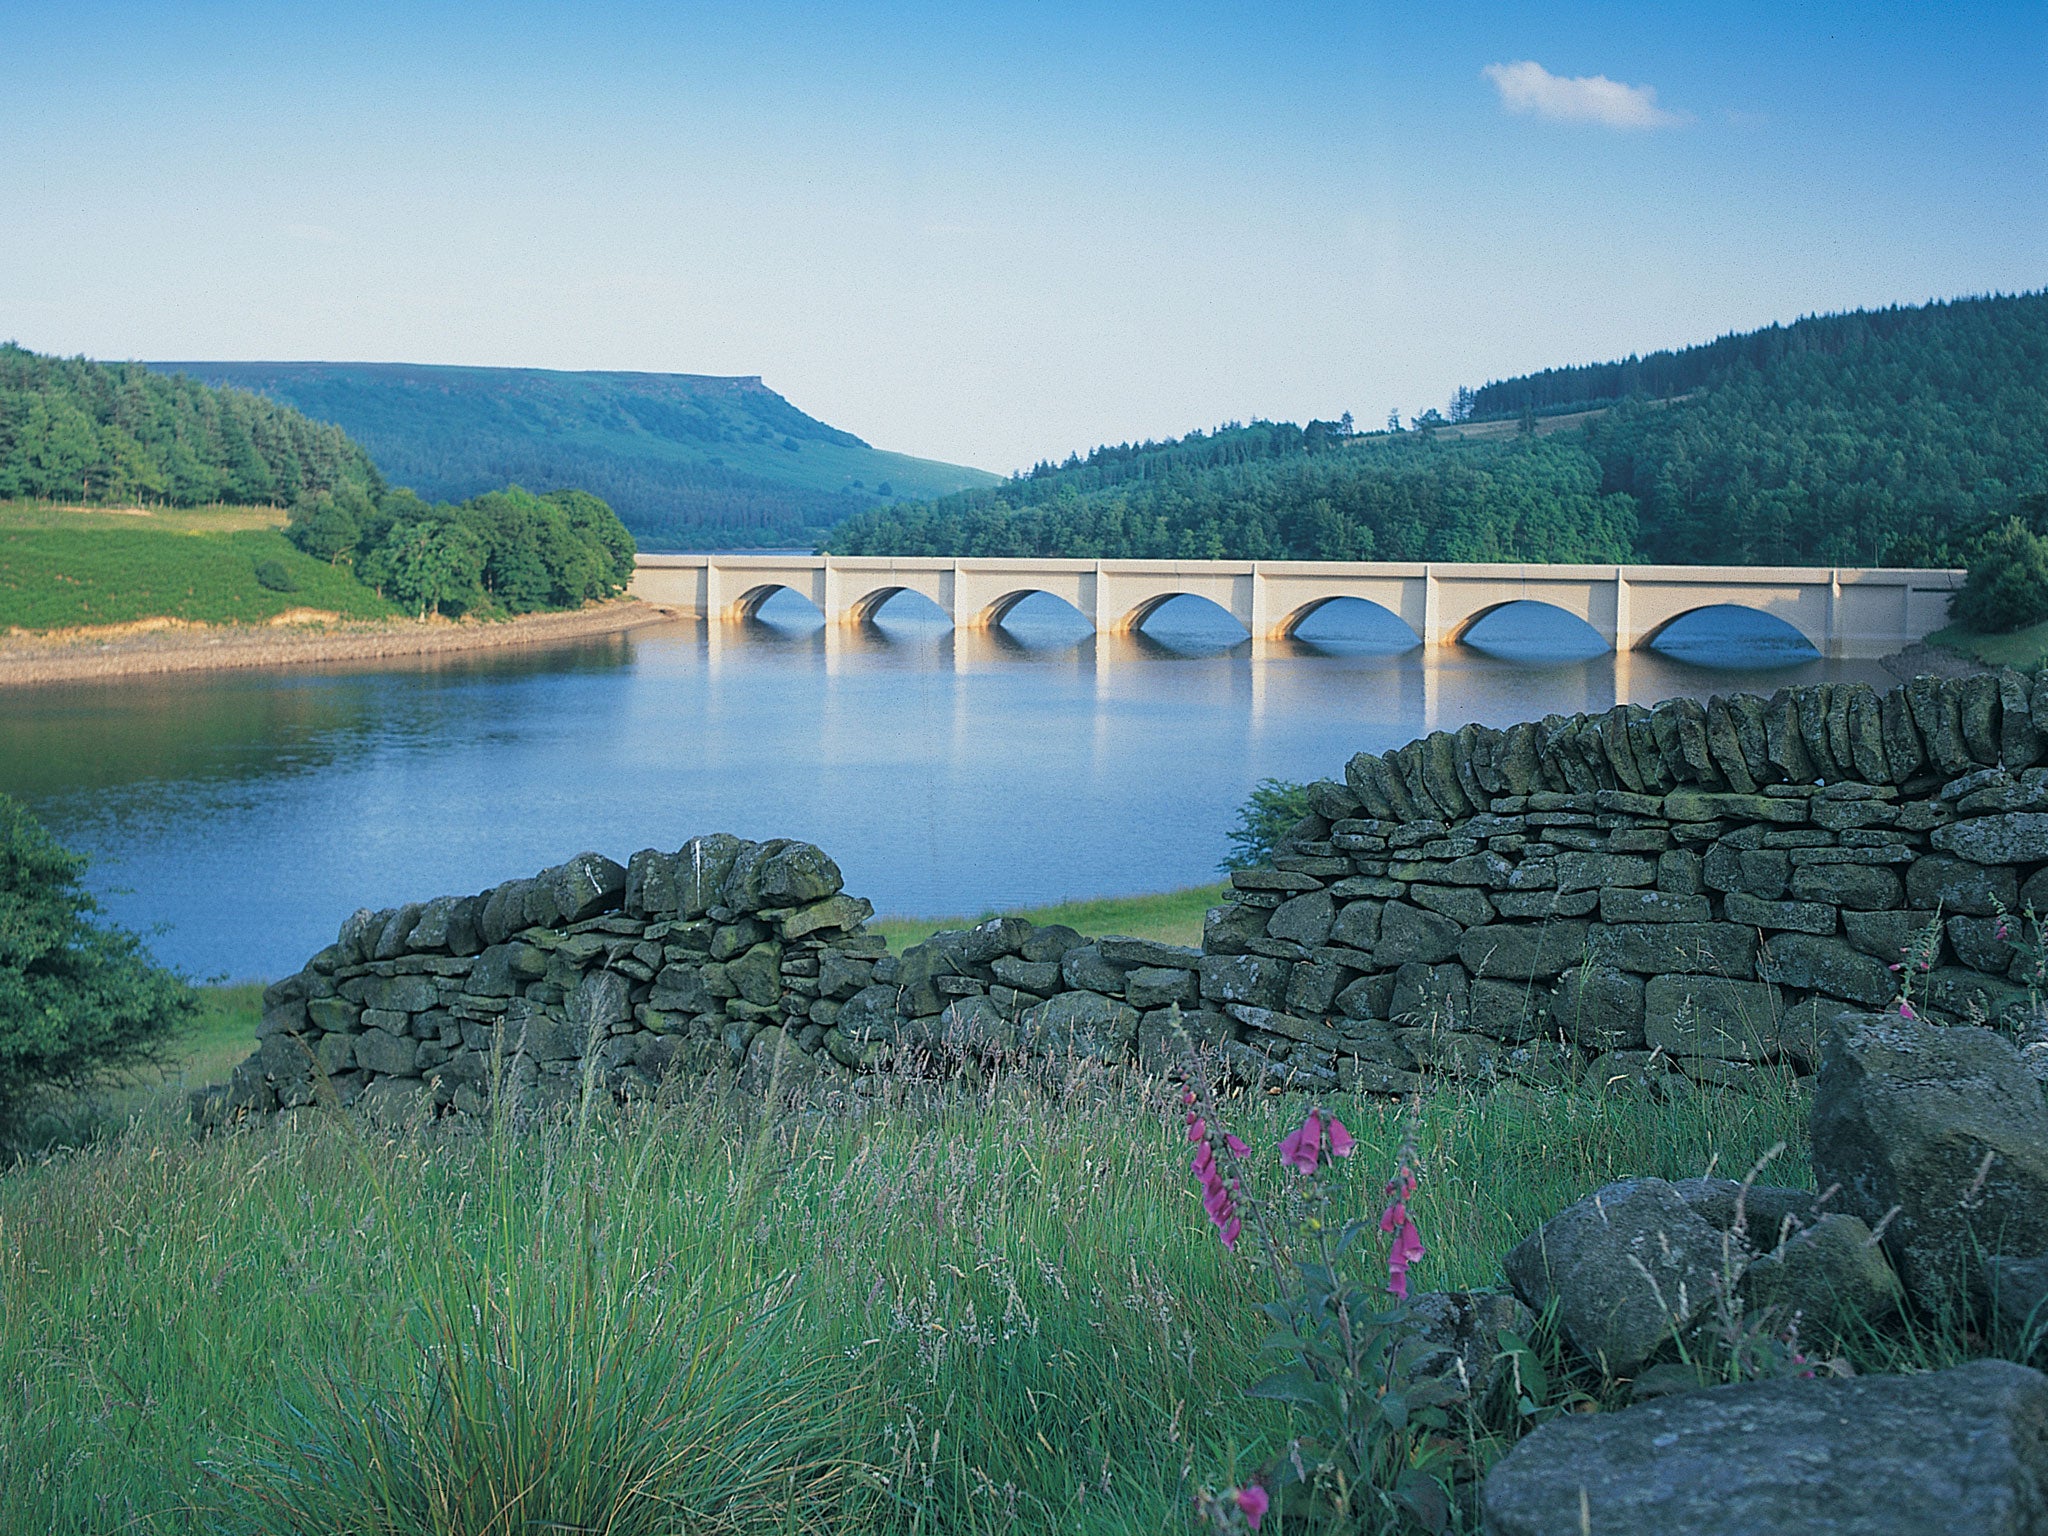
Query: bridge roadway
(1843, 612)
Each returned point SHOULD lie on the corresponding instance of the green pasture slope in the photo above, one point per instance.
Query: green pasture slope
(686, 460)
(64, 569)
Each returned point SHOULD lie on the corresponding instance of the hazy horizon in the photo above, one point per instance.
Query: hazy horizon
(991, 238)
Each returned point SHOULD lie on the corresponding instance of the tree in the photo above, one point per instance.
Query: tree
(81, 1004)
(431, 564)
(1461, 404)
(2007, 587)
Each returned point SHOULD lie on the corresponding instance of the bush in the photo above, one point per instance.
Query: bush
(2007, 587)
(80, 1003)
(273, 576)
(1273, 807)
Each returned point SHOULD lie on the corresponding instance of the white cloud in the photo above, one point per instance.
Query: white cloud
(1527, 87)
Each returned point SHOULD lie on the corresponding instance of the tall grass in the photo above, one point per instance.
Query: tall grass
(948, 1312)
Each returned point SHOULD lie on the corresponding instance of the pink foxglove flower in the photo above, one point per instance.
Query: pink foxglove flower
(1253, 1503)
(1341, 1142)
(1237, 1148)
(1303, 1147)
(1906, 1010)
(1395, 1220)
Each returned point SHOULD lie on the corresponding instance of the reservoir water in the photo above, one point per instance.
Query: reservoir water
(240, 816)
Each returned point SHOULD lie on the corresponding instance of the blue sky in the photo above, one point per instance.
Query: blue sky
(994, 234)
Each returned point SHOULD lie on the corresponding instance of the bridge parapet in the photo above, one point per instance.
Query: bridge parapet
(1843, 612)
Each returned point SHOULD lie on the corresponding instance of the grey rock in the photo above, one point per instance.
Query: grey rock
(2019, 837)
(1228, 930)
(1150, 987)
(1716, 1016)
(601, 1001)
(387, 1054)
(1369, 997)
(1463, 1330)
(776, 1064)
(1859, 887)
(396, 1103)
(1255, 979)
(1600, 1008)
(1041, 976)
(1511, 952)
(1885, 936)
(1833, 1274)
(1679, 872)
(1945, 1125)
(1767, 1213)
(392, 941)
(1434, 995)
(841, 975)
(584, 886)
(1411, 934)
(1511, 1011)
(1304, 919)
(1789, 916)
(1455, 1052)
(1652, 949)
(1084, 968)
(841, 912)
(1079, 1024)
(1981, 943)
(1118, 950)
(1314, 985)
(1053, 940)
(971, 1026)
(2019, 1289)
(1358, 925)
(1599, 871)
(870, 1015)
(1167, 1037)
(702, 867)
(1628, 1268)
(1623, 905)
(1934, 1454)
(1827, 965)
(1461, 904)
(758, 974)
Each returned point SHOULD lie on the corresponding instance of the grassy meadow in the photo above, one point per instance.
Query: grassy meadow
(991, 1307)
(72, 567)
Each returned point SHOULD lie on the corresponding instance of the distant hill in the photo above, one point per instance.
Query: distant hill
(687, 460)
(1896, 436)
(118, 434)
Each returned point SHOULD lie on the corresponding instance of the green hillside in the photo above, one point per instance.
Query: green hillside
(1898, 436)
(686, 460)
(67, 569)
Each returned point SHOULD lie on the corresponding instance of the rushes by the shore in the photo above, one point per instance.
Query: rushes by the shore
(993, 1312)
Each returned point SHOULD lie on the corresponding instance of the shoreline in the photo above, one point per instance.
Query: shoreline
(155, 647)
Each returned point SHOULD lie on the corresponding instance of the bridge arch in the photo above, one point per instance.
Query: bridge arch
(1386, 618)
(1766, 626)
(748, 604)
(1136, 618)
(1593, 642)
(994, 613)
(867, 608)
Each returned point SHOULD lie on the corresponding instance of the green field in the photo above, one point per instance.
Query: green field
(992, 1307)
(992, 1312)
(1171, 917)
(64, 568)
(2025, 650)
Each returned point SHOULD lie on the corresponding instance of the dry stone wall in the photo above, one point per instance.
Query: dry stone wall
(1663, 897)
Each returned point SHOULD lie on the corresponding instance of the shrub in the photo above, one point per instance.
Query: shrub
(2007, 587)
(81, 1003)
(273, 576)
(1272, 808)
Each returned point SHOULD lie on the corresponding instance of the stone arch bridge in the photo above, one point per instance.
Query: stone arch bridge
(1842, 611)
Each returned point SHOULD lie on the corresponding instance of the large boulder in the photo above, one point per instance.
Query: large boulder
(1833, 1274)
(1934, 1454)
(1940, 1134)
(1629, 1267)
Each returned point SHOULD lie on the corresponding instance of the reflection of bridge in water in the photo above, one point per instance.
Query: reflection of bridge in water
(1841, 612)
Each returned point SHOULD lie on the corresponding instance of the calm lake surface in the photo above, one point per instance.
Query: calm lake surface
(242, 816)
